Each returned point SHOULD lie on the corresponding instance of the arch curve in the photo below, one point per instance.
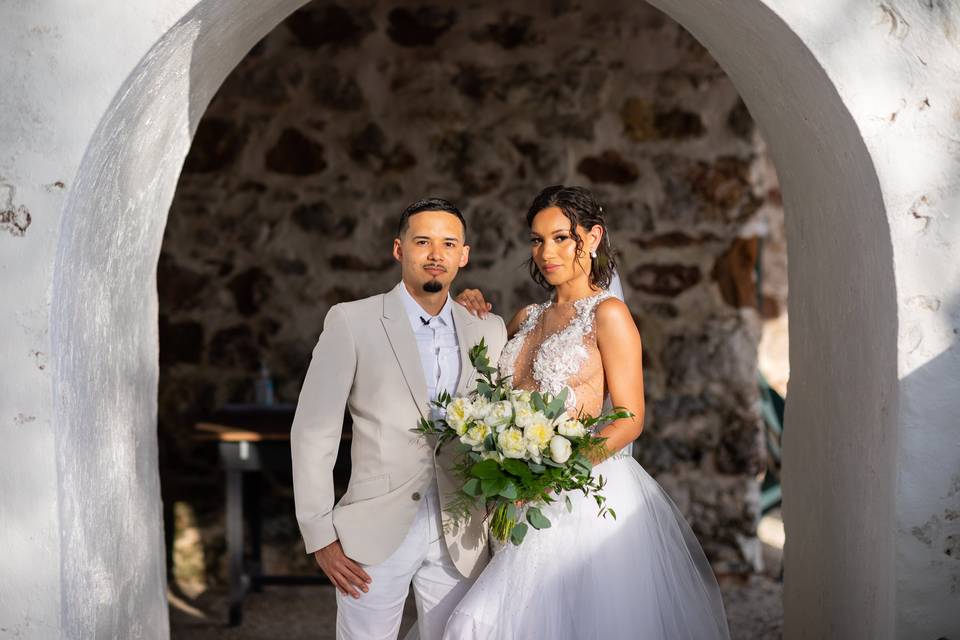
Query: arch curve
(841, 273)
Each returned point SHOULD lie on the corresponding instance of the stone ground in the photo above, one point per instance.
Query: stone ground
(754, 608)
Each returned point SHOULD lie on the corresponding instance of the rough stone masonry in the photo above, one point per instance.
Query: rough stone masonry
(346, 113)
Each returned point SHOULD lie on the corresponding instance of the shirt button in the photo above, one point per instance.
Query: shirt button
(416, 495)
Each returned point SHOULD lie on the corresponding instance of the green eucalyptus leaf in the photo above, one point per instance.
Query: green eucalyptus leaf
(472, 487)
(537, 400)
(517, 468)
(518, 532)
(486, 469)
(536, 519)
(489, 444)
(509, 490)
(492, 486)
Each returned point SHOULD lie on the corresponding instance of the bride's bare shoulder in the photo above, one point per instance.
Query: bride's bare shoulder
(518, 319)
(613, 318)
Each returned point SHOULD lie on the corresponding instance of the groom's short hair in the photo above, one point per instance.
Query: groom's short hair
(429, 204)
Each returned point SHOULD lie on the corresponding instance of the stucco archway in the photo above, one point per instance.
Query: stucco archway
(809, 132)
(851, 571)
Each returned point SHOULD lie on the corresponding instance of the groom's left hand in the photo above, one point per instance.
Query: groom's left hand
(344, 573)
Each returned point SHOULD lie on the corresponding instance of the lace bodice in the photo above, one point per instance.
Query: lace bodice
(556, 347)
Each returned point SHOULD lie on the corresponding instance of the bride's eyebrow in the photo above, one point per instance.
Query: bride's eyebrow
(554, 232)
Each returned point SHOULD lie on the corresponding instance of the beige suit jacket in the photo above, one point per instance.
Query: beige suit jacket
(367, 358)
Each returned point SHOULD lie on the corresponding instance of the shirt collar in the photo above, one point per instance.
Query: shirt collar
(415, 311)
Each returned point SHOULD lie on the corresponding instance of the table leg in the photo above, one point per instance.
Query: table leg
(235, 543)
(256, 540)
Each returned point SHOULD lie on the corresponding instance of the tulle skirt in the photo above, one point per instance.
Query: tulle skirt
(643, 575)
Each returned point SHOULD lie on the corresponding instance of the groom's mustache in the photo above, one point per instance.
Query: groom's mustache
(434, 266)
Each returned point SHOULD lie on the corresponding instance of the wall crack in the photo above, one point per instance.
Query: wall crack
(13, 219)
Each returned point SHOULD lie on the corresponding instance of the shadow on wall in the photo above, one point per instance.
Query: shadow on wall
(103, 323)
(929, 518)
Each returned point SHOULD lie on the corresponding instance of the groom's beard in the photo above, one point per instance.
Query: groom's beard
(432, 286)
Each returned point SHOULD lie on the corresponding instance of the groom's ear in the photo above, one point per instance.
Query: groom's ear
(397, 250)
(465, 256)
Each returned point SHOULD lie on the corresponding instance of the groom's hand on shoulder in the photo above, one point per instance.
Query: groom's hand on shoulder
(344, 573)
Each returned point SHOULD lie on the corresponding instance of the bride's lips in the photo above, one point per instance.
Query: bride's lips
(550, 268)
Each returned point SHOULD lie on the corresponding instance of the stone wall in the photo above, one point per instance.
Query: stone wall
(345, 114)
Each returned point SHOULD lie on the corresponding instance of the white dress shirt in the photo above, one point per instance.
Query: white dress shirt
(437, 344)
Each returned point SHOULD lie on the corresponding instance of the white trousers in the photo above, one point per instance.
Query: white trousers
(422, 559)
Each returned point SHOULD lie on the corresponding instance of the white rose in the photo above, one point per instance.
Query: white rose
(538, 430)
(533, 417)
(476, 434)
(522, 413)
(458, 415)
(479, 408)
(534, 450)
(560, 449)
(572, 429)
(520, 396)
(512, 443)
(499, 414)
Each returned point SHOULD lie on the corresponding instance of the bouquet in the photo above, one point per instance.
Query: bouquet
(516, 448)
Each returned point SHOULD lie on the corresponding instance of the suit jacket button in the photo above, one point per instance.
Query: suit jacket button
(416, 495)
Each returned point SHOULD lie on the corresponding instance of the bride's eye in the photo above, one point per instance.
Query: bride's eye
(535, 241)
(559, 239)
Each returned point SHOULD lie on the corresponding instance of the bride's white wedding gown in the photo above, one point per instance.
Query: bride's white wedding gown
(642, 575)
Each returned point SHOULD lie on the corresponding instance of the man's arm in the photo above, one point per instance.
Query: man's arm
(314, 443)
(317, 426)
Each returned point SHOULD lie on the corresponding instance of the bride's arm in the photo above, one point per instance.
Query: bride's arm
(622, 356)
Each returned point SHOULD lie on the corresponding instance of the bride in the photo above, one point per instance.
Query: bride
(642, 575)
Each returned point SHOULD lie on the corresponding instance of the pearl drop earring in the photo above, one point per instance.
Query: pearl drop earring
(593, 253)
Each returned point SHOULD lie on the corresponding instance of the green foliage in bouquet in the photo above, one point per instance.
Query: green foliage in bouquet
(516, 451)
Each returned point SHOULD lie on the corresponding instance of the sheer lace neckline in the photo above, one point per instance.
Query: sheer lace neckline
(552, 302)
(578, 303)
(556, 348)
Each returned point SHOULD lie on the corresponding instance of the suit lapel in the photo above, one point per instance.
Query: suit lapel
(404, 345)
(468, 335)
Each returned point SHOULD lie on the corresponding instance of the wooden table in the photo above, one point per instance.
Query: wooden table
(252, 439)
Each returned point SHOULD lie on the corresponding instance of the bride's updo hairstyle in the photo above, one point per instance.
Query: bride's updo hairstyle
(582, 209)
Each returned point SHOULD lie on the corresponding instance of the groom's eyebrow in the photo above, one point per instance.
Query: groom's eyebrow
(453, 238)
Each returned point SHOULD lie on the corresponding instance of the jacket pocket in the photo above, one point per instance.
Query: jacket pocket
(366, 488)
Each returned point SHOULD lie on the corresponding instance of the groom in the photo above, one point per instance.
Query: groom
(386, 357)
